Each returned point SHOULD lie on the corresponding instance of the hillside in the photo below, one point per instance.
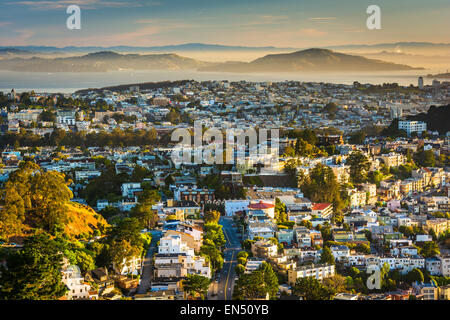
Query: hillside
(440, 75)
(142, 86)
(436, 118)
(102, 62)
(308, 60)
(82, 220)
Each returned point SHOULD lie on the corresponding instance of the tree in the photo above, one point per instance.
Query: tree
(335, 283)
(280, 211)
(257, 284)
(47, 116)
(196, 285)
(33, 273)
(212, 216)
(242, 254)
(240, 269)
(414, 275)
(306, 223)
(359, 166)
(429, 249)
(331, 108)
(212, 253)
(358, 137)
(109, 212)
(121, 251)
(327, 256)
(214, 233)
(375, 177)
(270, 279)
(425, 158)
(250, 286)
(147, 217)
(84, 260)
(321, 186)
(36, 198)
(311, 289)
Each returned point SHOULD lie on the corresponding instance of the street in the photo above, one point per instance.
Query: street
(224, 288)
(147, 268)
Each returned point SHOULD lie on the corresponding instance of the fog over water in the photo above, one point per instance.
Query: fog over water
(69, 82)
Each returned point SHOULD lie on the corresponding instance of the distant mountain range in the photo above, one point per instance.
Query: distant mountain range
(217, 47)
(439, 75)
(13, 51)
(187, 47)
(299, 61)
(392, 45)
(102, 62)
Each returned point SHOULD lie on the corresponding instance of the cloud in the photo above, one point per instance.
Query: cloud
(17, 40)
(84, 4)
(262, 20)
(355, 31)
(323, 18)
(4, 23)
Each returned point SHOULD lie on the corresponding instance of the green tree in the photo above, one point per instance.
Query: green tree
(327, 256)
(121, 251)
(143, 212)
(321, 186)
(196, 285)
(257, 284)
(270, 280)
(425, 158)
(212, 216)
(240, 269)
(250, 286)
(33, 273)
(414, 275)
(311, 289)
(359, 166)
(84, 260)
(212, 253)
(280, 211)
(34, 197)
(429, 249)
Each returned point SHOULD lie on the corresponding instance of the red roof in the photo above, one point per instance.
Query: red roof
(320, 206)
(260, 206)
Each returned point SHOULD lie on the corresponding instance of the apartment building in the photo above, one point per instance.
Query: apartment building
(317, 271)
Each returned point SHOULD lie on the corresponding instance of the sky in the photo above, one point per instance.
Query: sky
(280, 23)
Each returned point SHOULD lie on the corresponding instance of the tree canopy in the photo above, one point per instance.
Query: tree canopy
(33, 273)
(35, 198)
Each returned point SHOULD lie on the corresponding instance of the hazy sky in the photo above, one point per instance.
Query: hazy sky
(290, 23)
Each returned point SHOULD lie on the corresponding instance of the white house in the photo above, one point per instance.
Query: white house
(340, 253)
(128, 189)
(233, 206)
(77, 288)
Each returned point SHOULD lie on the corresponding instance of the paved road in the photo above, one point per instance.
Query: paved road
(147, 269)
(224, 288)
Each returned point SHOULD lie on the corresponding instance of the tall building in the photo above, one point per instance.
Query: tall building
(396, 112)
(420, 83)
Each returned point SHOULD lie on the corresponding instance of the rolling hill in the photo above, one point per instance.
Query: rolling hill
(102, 61)
(308, 60)
(82, 220)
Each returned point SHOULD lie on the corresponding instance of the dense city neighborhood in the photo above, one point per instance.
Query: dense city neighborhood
(355, 207)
